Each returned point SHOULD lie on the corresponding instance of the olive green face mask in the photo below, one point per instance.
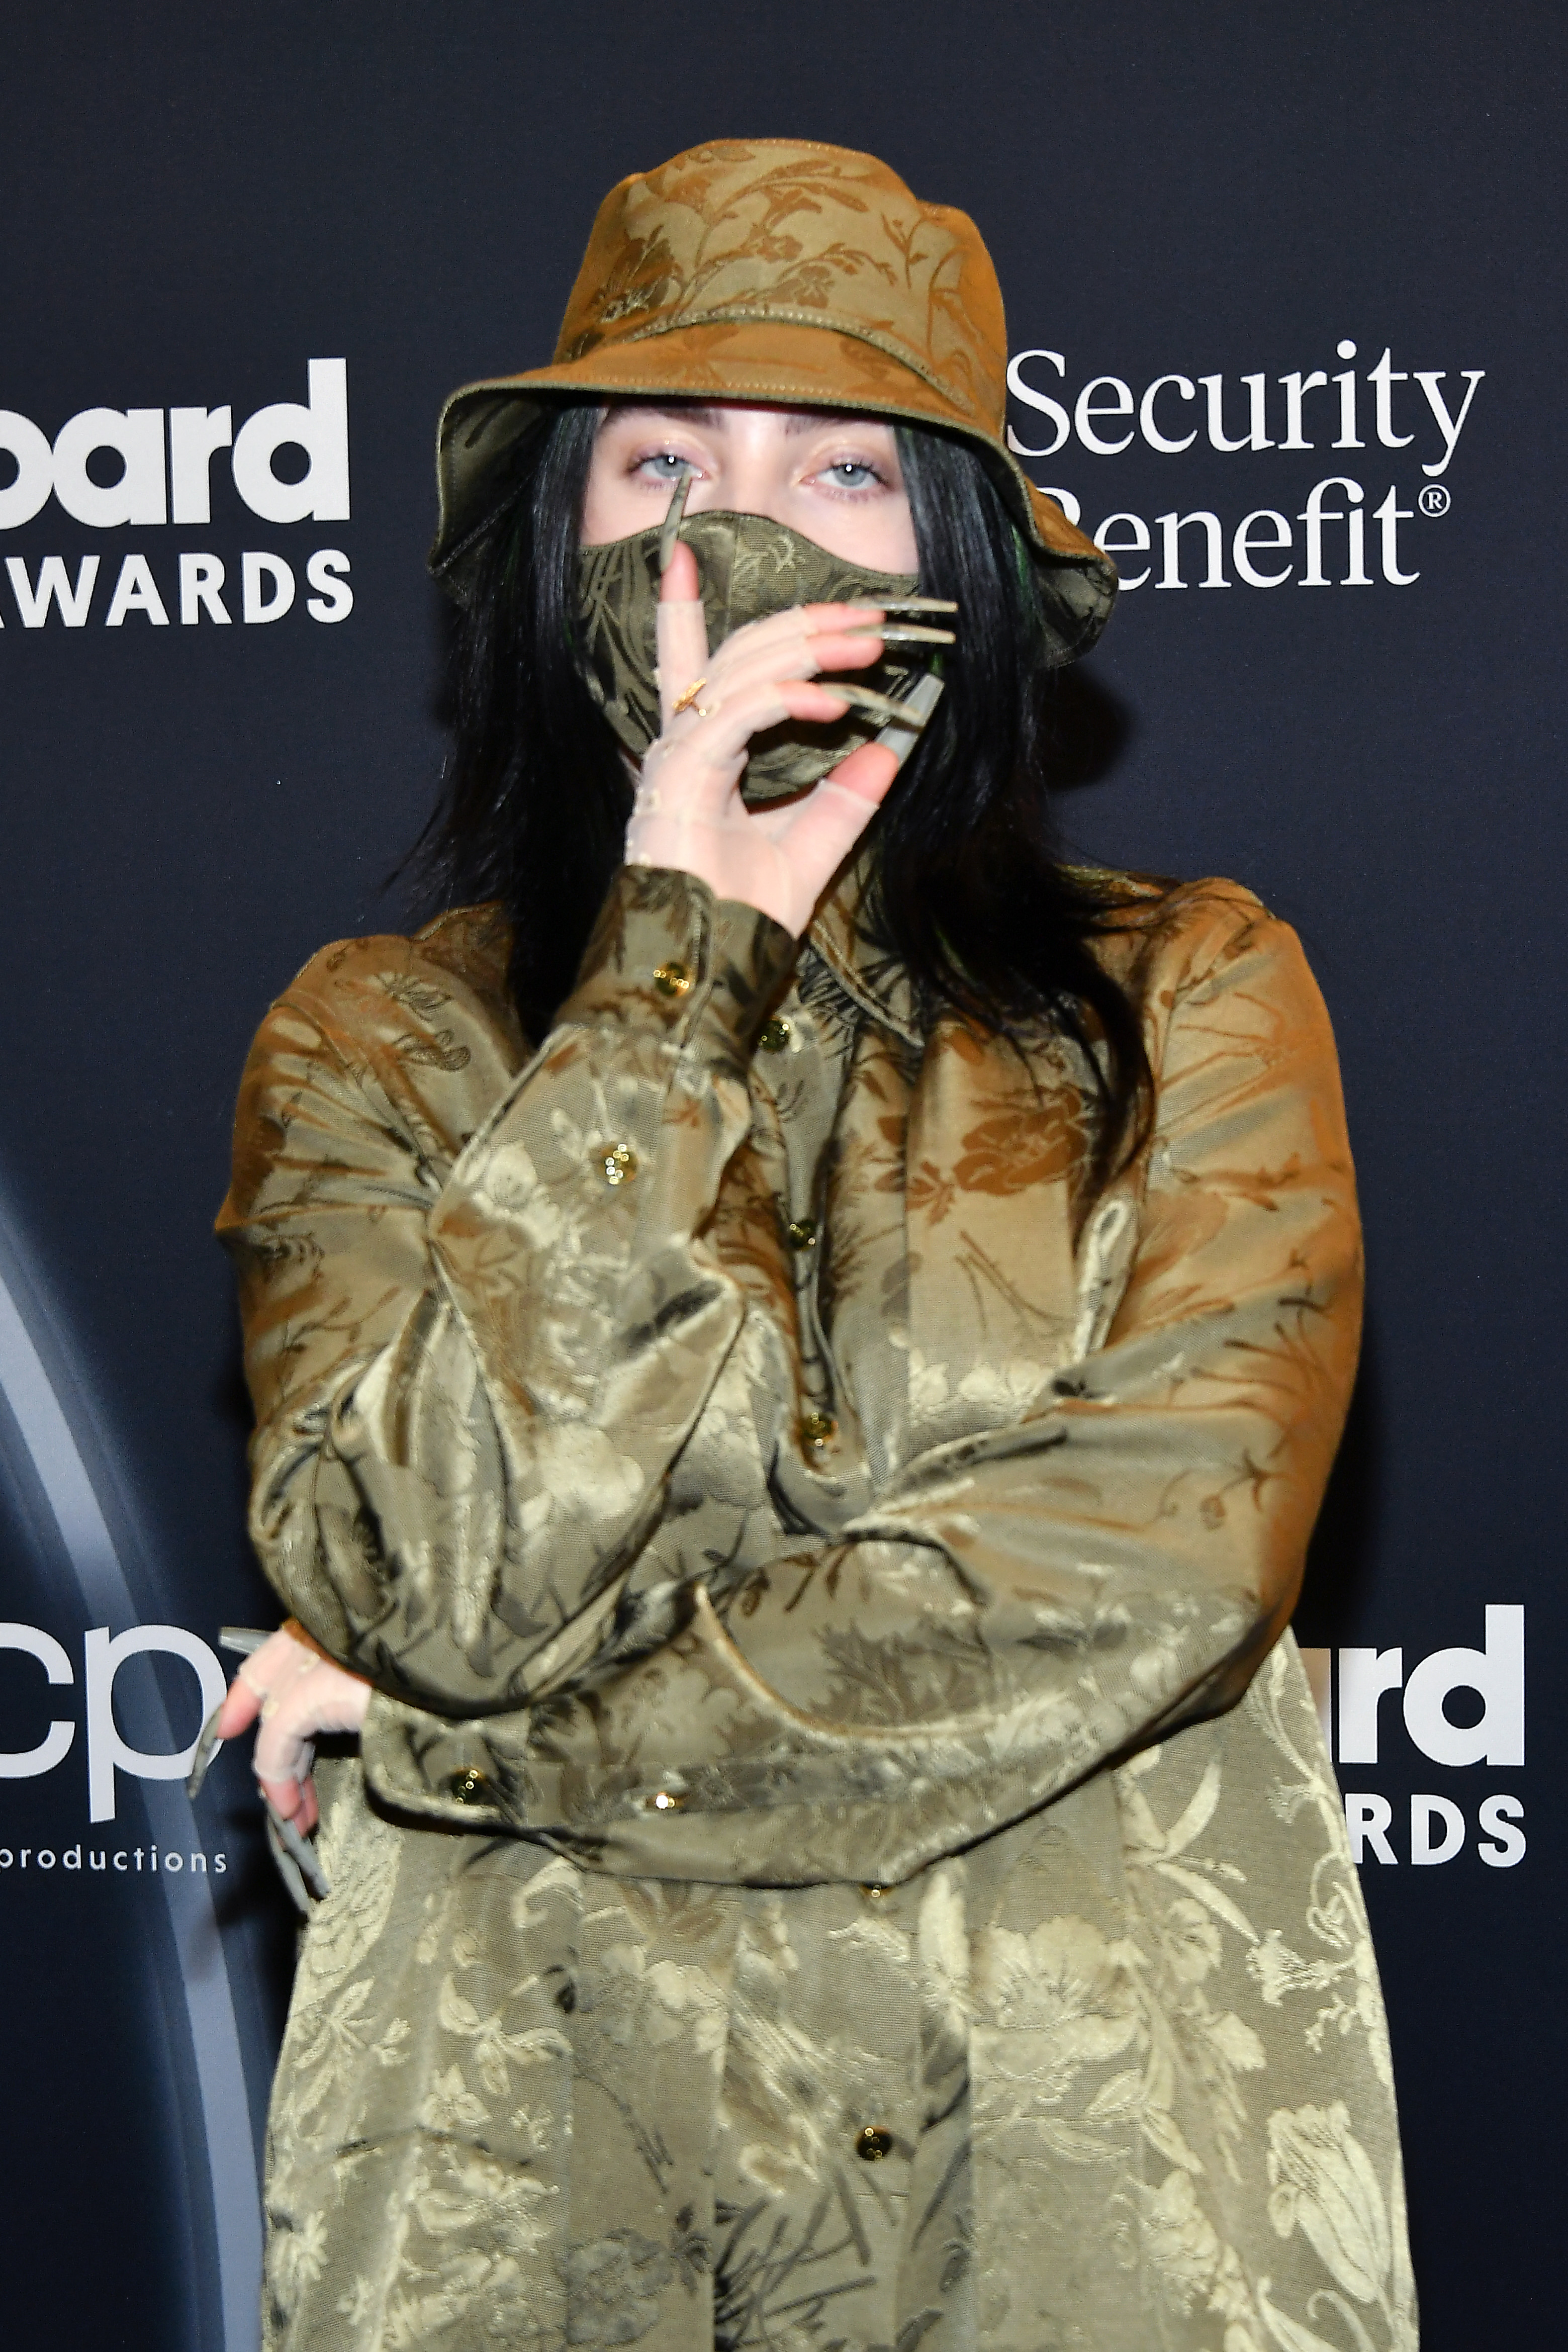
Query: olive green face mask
(747, 567)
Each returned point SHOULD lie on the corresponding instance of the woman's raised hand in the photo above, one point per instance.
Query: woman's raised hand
(689, 813)
(297, 1691)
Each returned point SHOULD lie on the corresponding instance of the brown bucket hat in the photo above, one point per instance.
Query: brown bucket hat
(783, 271)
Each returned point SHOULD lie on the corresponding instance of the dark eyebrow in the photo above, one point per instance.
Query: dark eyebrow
(807, 420)
(691, 412)
(688, 412)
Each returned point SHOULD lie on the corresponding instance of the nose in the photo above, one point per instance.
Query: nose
(753, 473)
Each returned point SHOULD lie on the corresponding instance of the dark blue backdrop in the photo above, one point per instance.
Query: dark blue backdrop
(195, 203)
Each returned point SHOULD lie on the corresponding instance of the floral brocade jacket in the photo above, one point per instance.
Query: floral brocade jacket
(842, 1853)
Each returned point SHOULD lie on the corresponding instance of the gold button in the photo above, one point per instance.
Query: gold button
(618, 1164)
(871, 2143)
(469, 1787)
(819, 1429)
(802, 1233)
(665, 1801)
(671, 979)
(774, 1035)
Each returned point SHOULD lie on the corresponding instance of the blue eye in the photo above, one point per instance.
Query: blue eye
(852, 473)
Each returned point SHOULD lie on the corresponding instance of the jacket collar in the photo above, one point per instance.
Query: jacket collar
(865, 971)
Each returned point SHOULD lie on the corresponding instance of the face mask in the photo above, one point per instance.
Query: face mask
(749, 566)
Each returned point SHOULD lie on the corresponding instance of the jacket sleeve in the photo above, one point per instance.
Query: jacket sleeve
(1030, 1604)
(468, 1392)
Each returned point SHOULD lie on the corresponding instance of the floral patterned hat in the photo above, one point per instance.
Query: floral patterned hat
(783, 271)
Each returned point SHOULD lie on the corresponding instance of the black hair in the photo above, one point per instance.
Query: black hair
(966, 890)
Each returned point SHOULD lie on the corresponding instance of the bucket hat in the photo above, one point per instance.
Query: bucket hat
(783, 271)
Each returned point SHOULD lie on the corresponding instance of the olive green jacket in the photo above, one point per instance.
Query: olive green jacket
(844, 1852)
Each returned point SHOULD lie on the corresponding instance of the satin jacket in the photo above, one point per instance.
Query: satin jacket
(842, 1850)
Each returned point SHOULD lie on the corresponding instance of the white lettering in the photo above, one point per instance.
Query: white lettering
(1314, 516)
(1038, 400)
(1388, 517)
(1497, 1672)
(1171, 526)
(1296, 390)
(1089, 411)
(200, 578)
(1071, 506)
(1367, 1820)
(1346, 382)
(256, 571)
(1497, 1816)
(1245, 544)
(196, 434)
(1147, 424)
(328, 573)
(136, 436)
(53, 586)
(1137, 545)
(1450, 427)
(107, 1752)
(1424, 1811)
(1364, 1677)
(20, 501)
(135, 591)
(1383, 378)
(1256, 438)
(25, 1764)
(321, 429)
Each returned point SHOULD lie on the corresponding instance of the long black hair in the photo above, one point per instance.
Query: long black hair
(966, 891)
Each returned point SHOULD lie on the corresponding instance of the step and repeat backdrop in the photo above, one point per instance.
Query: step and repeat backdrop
(1284, 299)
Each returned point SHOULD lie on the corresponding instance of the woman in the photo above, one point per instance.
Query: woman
(797, 1346)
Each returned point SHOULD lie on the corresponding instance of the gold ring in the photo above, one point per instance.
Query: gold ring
(687, 698)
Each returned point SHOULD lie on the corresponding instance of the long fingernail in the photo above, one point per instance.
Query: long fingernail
(921, 699)
(287, 1843)
(673, 514)
(207, 1747)
(918, 604)
(244, 1639)
(882, 705)
(895, 633)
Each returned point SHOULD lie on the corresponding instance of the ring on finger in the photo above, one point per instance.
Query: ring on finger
(688, 699)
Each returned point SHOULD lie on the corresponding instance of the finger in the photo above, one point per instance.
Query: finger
(679, 583)
(289, 1721)
(827, 825)
(801, 653)
(680, 630)
(867, 772)
(809, 618)
(296, 1800)
(795, 632)
(703, 766)
(286, 1795)
(283, 1750)
(239, 1709)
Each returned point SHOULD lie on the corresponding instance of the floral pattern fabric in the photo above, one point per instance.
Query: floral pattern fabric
(843, 1853)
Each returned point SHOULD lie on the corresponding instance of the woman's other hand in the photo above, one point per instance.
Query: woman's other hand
(689, 813)
(298, 1692)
